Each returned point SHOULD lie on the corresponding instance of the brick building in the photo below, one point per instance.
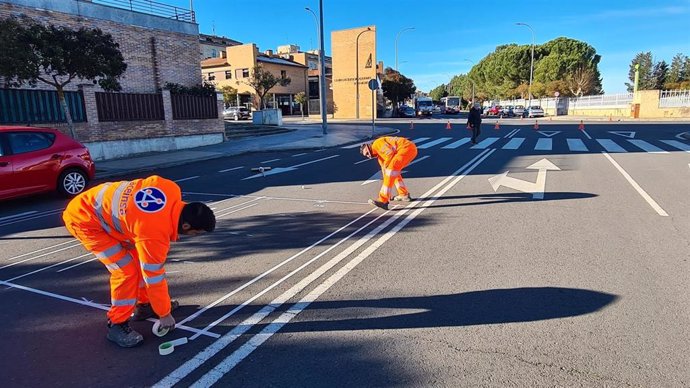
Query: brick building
(159, 45)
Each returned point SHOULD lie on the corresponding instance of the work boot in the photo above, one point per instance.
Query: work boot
(402, 198)
(378, 204)
(144, 311)
(123, 335)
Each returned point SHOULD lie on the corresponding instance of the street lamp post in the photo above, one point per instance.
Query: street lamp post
(319, 66)
(531, 67)
(322, 68)
(471, 80)
(396, 44)
(357, 71)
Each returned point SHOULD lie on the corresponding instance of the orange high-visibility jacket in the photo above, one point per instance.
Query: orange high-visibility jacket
(385, 148)
(145, 212)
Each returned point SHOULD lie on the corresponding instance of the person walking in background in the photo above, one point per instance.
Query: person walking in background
(474, 121)
(393, 154)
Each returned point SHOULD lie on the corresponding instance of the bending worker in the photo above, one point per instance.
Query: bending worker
(393, 154)
(129, 226)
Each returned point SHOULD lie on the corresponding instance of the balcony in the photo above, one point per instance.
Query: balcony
(149, 7)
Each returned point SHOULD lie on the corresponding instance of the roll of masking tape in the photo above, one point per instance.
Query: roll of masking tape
(156, 329)
(168, 347)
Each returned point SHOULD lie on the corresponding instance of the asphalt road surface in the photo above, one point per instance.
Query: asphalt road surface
(556, 257)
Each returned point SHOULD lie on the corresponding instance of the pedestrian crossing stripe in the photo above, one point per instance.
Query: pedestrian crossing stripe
(514, 143)
(544, 144)
(576, 145)
(677, 144)
(610, 145)
(456, 144)
(485, 143)
(433, 143)
(646, 146)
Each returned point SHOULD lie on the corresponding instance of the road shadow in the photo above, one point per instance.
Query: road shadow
(490, 199)
(486, 307)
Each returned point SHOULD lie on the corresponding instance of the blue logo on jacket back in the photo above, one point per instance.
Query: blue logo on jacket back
(150, 199)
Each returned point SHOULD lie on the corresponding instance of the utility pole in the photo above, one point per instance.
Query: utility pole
(322, 73)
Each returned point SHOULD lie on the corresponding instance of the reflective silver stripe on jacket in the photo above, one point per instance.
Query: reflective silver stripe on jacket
(110, 252)
(154, 279)
(152, 267)
(99, 207)
(116, 206)
(123, 302)
(392, 173)
(120, 263)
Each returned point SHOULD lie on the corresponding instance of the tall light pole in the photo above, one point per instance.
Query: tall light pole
(357, 70)
(318, 51)
(531, 67)
(322, 70)
(396, 44)
(470, 78)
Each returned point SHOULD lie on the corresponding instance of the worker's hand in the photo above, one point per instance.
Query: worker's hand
(167, 322)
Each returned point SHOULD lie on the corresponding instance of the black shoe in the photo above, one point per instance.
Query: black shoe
(144, 311)
(378, 204)
(123, 335)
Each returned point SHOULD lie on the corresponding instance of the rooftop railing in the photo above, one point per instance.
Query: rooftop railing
(150, 7)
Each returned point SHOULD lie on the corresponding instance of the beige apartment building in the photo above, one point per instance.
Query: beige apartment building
(213, 46)
(236, 68)
(311, 60)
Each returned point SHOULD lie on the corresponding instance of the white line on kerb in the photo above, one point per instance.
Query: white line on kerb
(203, 356)
(637, 187)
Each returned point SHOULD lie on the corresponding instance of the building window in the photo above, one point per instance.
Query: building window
(211, 76)
(228, 74)
(214, 53)
(283, 74)
(242, 73)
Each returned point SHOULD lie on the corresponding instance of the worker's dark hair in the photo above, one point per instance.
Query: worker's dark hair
(198, 216)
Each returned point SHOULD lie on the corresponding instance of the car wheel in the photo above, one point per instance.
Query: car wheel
(72, 182)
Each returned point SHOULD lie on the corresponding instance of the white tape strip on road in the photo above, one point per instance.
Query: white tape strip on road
(202, 357)
(637, 187)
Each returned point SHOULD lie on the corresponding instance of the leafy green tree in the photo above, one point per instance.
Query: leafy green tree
(262, 81)
(438, 92)
(396, 87)
(32, 52)
(645, 82)
(229, 95)
(676, 71)
(659, 74)
(301, 99)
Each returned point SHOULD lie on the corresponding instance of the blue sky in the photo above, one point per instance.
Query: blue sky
(447, 33)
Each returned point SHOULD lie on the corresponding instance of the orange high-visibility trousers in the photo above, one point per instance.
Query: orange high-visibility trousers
(126, 281)
(392, 172)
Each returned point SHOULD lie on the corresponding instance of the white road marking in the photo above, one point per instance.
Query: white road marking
(637, 187)
(269, 161)
(484, 143)
(377, 176)
(91, 304)
(236, 357)
(420, 139)
(512, 133)
(296, 155)
(514, 143)
(31, 217)
(48, 267)
(225, 213)
(647, 147)
(42, 249)
(549, 133)
(544, 144)
(279, 170)
(535, 188)
(77, 265)
(186, 179)
(433, 143)
(677, 144)
(41, 255)
(611, 146)
(681, 136)
(587, 134)
(354, 145)
(365, 160)
(456, 144)
(231, 169)
(576, 145)
(17, 215)
(628, 134)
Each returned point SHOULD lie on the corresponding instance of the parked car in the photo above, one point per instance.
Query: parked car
(506, 111)
(519, 111)
(35, 160)
(236, 113)
(494, 110)
(407, 111)
(535, 111)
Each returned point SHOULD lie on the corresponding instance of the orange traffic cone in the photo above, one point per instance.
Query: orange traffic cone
(498, 125)
(448, 125)
(411, 125)
(536, 125)
(581, 127)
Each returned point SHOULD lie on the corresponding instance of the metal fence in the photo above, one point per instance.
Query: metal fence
(129, 107)
(602, 101)
(674, 98)
(151, 8)
(186, 107)
(27, 106)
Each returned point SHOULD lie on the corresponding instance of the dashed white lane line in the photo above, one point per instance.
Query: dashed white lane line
(231, 169)
(186, 179)
(269, 161)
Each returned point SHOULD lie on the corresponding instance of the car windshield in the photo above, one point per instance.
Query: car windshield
(535, 107)
(424, 103)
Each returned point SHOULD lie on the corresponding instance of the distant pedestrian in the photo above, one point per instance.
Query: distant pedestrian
(474, 121)
(393, 154)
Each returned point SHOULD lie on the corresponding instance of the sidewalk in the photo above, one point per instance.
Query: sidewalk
(300, 137)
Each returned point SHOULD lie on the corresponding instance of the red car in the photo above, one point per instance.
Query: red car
(35, 160)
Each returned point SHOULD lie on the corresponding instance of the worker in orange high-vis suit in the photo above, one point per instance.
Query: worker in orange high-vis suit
(129, 225)
(393, 154)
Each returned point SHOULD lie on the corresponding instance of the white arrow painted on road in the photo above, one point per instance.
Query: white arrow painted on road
(536, 188)
(279, 170)
(628, 134)
(549, 133)
(377, 176)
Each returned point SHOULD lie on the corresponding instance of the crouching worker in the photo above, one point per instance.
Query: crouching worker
(129, 225)
(393, 154)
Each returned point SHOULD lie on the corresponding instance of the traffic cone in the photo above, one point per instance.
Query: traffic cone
(448, 125)
(536, 125)
(581, 127)
(411, 125)
(498, 125)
